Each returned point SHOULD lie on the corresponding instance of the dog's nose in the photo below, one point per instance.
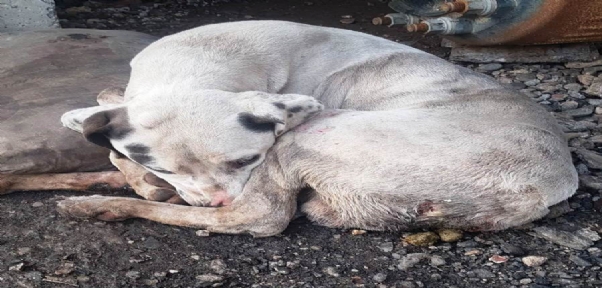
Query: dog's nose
(221, 198)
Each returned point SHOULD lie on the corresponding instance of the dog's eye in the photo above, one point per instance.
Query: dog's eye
(242, 162)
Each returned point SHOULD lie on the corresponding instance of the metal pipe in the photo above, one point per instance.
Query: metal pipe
(395, 19)
(443, 25)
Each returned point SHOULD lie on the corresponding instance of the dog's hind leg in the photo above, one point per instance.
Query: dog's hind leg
(60, 181)
(146, 184)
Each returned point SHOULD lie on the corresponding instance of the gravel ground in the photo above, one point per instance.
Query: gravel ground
(41, 249)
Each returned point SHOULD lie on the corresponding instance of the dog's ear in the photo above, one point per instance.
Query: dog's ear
(277, 112)
(102, 127)
(112, 95)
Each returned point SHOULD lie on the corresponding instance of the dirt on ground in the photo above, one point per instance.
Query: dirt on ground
(40, 248)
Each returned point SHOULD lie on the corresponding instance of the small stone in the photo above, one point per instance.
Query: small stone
(573, 86)
(586, 79)
(569, 105)
(23, 250)
(173, 271)
(579, 261)
(65, 268)
(151, 243)
(467, 244)
(591, 182)
(592, 70)
(512, 249)
(422, 239)
(598, 110)
(356, 232)
(490, 67)
(559, 97)
(564, 238)
(498, 259)
(484, 274)
(379, 277)
(437, 260)
(588, 234)
(218, 266)
(386, 247)
(407, 284)
(580, 112)
(450, 235)
(410, 260)
(525, 281)
(195, 257)
(16, 267)
(331, 271)
(595, 89)
(202, 233)
(534, 261)
(150, 282)
(581, 65)
(37, 204)
(209, 278)
(473, 252)
(592, 159)
(132, 274)
(533, 82)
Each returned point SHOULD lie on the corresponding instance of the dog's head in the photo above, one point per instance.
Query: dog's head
(205, 145)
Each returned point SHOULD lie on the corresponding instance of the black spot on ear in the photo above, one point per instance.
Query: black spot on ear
(295, 109)
(279, 105)
(103, 126)
(256, 124)
(137, 148)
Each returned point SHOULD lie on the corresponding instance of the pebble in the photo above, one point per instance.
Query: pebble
(450, 235)
(498, 259)
(379, 277)
(595, 88)
(437, 260)
(37, 204)
(534, 261)
(422, 239)
(573, 86)
(356, 232)
(579, 261)
(218, 266)
(209, 278)
(202, 233)
(331, 271)
(525, 281)
(533, 82)
(512, 249)
(564, 238)
(590, 158)
(490, 67)
(581, 65)
(386, 247)
(132, 274)
(483, 273)
(580, 112)
(151, 243)
(569, 105)
(586, 79)
(410, 260)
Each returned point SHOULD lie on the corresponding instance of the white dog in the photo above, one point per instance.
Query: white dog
(224, 114)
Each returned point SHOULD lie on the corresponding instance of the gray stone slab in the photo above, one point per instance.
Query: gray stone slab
(24, 15)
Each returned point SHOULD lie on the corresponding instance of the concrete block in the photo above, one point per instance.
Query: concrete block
(24, 15)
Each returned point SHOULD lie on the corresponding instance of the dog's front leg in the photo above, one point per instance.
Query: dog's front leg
(263, 209)
(145, 183)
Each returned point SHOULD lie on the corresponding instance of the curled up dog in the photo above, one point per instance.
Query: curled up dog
(250, 122)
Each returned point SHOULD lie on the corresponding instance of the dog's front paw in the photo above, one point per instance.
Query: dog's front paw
(96, 206)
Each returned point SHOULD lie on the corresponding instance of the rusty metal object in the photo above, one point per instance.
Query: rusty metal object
(382, 21)
(543, 22)
(456, 6)
(420, 27)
